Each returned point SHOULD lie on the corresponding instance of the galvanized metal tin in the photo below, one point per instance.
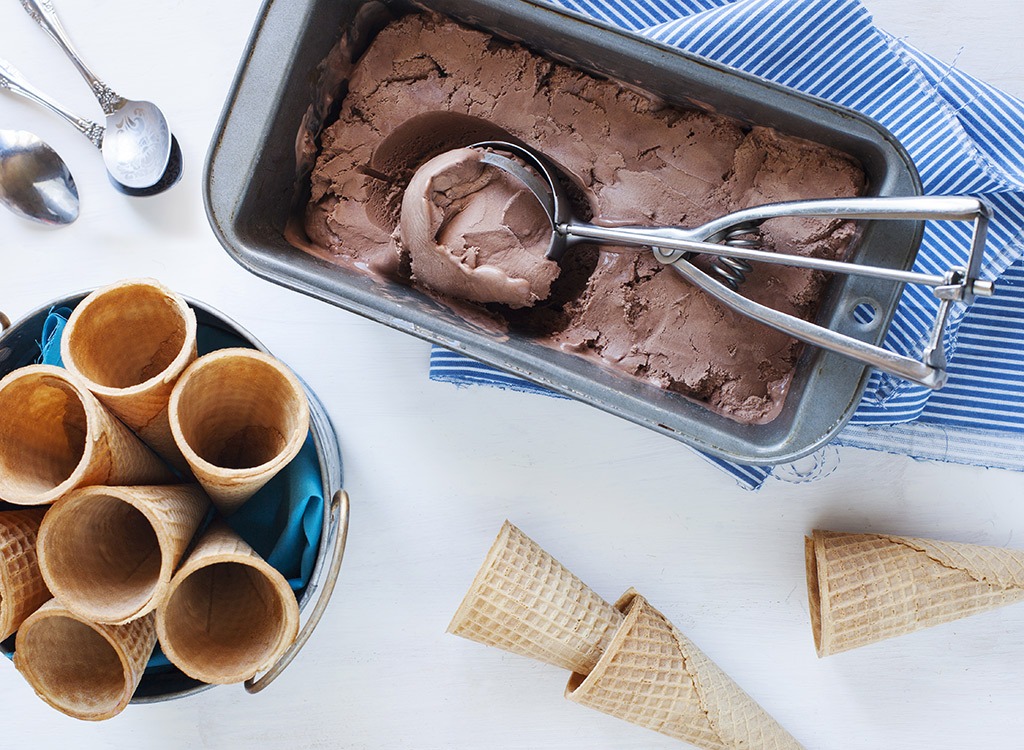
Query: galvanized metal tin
(19, 346)
(249, 189)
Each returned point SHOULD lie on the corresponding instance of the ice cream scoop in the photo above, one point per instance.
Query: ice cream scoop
(675, 246)
(473, 232)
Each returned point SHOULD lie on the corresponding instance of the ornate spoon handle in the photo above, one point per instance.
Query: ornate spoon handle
(44, 14)
(15, 82)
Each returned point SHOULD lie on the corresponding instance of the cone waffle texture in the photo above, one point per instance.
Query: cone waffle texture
(653, 676)
(526, 602)
(85, 670)
(98, 564)
(22, 590)
(192, 632)
(130, 342)
(238, 416)
(864, 588)
(56, 436)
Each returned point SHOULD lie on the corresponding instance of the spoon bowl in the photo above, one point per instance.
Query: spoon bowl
(172, 173)
(35, 183)
(137, 144)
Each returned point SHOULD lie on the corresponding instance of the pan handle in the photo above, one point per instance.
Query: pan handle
(5, 322)
(339, 528)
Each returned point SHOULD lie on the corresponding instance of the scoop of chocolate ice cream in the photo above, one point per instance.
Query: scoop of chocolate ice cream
(473, 232)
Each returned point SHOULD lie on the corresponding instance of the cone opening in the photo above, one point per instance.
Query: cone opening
(42, 435)
(72, 666)
(627, 605)
(813, 591)
(101, 556)
(240, 413)
(127, 335)
(224, 622)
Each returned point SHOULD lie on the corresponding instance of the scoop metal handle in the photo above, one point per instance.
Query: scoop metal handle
(682, 242)
(929, 371)
(956, 285)
(339, 532)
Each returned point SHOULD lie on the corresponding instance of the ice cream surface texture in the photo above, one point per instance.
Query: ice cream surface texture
(473, 233)
(425, 86)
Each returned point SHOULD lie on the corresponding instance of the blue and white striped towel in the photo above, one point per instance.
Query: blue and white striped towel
(964, 137)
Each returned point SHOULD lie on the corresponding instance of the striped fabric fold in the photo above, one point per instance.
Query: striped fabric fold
(964, 136)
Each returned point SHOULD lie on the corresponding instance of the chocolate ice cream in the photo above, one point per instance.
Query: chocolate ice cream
(426, 85)
(473, 233)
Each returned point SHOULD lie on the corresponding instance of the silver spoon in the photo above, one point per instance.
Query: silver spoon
(15, 82)
(35, 183)
(138, 143)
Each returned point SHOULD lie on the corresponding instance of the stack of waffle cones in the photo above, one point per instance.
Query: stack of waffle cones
(87, 582)
(627, 660)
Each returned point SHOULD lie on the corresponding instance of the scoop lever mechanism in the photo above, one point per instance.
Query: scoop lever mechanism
(731, 239)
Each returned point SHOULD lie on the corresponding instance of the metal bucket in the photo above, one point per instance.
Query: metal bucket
(19, 346)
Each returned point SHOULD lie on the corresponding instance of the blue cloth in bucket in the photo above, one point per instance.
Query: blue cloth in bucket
(964, 137)
(283, 521)
(49, 342)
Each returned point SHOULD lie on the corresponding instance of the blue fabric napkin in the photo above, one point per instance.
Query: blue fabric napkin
(964, 138)
(53, 330)
(283, 520)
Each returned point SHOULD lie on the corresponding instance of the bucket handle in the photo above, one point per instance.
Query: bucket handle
(339, 528)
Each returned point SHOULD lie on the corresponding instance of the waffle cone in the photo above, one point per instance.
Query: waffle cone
(130, 342)
(108, 552)
(228, 613)
(238, 416)
(22, 590)
(55, 436)
(82, 669)
(524, 601)
(653, 676)
(864, 588)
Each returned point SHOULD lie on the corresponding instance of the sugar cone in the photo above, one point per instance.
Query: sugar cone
(130, 342)
(55, 436)
(864, 588)
(85, 670)
(524, 601)
(228, 613)
(108, 552)
(238, 416)
(22, 590)
(653, 676)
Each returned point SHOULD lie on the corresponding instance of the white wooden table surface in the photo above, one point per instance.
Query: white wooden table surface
(433, 471)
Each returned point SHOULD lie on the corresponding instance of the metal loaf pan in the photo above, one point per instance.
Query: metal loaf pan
(250, 183)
